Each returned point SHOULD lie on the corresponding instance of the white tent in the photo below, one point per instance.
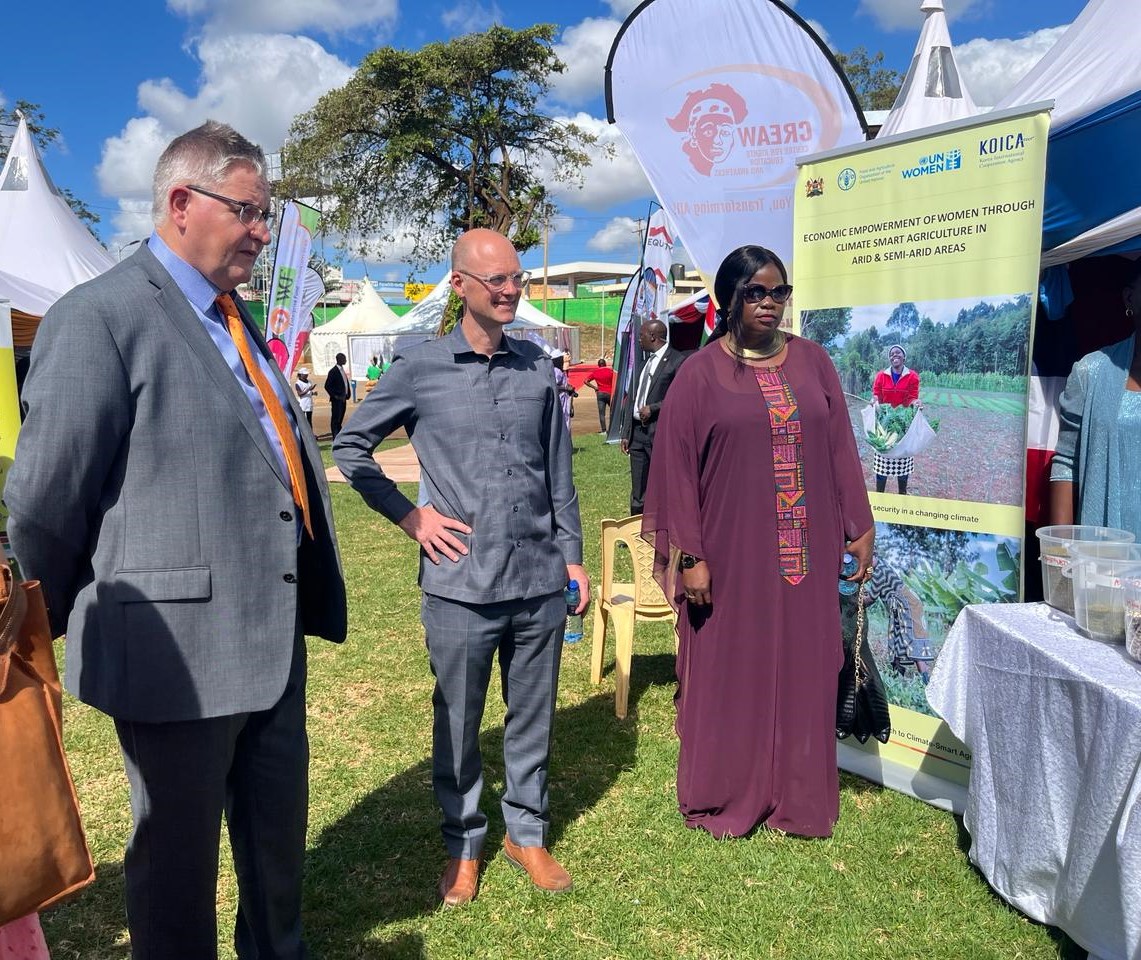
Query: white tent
(933, 91)
(45, 249)
(366, 318)
(1093, 75)
(423, 320)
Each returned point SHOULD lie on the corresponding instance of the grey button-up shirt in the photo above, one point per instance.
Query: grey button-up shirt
(494, 452)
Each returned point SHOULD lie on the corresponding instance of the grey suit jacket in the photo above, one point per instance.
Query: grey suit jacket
(148, 500)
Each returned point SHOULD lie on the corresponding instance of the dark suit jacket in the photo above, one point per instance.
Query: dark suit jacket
(336, 384)
(663, 377)
(147, 498)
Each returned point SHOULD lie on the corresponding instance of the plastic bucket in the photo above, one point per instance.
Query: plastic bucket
(1100, 572)
(1131, 602)
(1054, 543)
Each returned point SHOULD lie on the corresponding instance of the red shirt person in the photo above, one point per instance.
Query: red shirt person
(897, 386)
(603, 380)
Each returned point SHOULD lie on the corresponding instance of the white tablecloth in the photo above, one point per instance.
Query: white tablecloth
(1053, 722)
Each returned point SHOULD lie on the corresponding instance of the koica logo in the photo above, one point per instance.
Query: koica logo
(1003, 143)
(709, 120)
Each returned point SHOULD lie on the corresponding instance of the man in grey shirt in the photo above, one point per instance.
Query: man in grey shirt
(499, 536)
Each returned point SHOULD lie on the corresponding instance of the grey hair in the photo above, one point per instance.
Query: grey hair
(203, 156)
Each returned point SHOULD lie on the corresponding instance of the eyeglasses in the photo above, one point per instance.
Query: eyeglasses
(498, 281)
(756, 292)
(248, 213)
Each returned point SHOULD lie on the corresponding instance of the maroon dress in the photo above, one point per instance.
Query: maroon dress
(759, 476)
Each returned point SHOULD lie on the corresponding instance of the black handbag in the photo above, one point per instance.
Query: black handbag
(861, 703)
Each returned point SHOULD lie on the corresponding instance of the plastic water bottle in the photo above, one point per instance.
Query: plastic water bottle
(573, 631)
(848, 588)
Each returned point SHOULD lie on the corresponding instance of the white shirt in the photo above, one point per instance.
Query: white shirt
(648, 372)
(305, 390)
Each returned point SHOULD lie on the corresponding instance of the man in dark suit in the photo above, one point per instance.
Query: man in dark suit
(179, 519)
(337, 387)
(641, 415)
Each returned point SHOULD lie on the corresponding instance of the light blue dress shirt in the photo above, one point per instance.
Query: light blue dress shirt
(201, 294)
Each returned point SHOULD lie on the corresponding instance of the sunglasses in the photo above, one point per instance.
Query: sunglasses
(756, 292)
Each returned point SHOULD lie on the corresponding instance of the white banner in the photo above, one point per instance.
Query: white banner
(288, 322)
(718, 98)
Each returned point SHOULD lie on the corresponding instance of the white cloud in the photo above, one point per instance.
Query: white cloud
(261, 100)
(905, 14)
(584, 49)
(621, 235)
(288, 16)
(608, 180)
(991, 68)
(622, 8)
(471, 17)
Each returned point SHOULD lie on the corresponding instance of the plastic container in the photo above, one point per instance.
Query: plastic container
(1054, 543)
(848, 588)
(573, 631)
(1131, 604)
(1099, 571)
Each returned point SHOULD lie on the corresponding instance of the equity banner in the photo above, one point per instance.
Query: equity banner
(287, 323)
(719, 99)
(646, 298)
(917, 270)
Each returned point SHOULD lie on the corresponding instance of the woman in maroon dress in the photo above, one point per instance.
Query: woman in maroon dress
(755, 493)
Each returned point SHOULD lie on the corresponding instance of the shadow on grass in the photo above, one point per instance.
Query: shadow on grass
(380, 863)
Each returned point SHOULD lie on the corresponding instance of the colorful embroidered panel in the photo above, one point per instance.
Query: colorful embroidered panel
(788, 471)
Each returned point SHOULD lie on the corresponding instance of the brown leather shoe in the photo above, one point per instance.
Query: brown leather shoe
(459, 883)
(543, 869)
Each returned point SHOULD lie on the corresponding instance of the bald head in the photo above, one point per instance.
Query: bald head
(486, 276)
(476, 248)
(652, 335)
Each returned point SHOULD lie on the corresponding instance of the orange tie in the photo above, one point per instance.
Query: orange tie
(272, 406)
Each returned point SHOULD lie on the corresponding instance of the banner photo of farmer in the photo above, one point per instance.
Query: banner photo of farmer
(916, 266)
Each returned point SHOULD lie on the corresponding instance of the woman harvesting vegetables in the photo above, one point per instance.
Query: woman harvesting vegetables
(897, 386)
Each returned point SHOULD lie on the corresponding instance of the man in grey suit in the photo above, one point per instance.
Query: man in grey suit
(640, 420)
(500, 538)
(180, 522)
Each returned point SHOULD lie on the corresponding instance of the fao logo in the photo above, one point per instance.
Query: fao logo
(847, 179)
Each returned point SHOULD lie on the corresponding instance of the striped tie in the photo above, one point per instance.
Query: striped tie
(272, 405)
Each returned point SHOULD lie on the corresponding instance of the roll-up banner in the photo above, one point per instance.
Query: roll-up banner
(646, 298)
(718, 99)
(287, 323)
(9, 412)
(917, 270)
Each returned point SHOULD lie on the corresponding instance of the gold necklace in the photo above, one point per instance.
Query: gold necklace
(780, 338)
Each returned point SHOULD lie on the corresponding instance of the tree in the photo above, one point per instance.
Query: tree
(905, 319)
(44, 136)
(876, 86)
(434, 141)
(826, 326)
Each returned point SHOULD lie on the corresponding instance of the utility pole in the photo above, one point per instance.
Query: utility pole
(546, 245)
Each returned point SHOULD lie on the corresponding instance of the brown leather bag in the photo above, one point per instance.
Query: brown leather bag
(43, 851)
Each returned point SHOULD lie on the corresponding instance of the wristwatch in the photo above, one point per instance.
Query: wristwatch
(689, 561)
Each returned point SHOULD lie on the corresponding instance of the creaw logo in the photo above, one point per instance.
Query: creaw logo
(709, 119)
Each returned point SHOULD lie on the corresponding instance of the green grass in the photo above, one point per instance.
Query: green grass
(997, 403)
(893, 882)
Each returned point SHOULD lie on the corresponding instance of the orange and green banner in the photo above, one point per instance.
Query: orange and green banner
(9, 412)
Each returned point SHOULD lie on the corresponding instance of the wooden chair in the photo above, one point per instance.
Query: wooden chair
(625, 602)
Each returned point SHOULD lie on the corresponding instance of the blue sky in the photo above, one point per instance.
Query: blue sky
(121, 79)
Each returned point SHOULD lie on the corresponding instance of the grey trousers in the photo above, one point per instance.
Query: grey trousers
(462, 642)
(254, 768)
